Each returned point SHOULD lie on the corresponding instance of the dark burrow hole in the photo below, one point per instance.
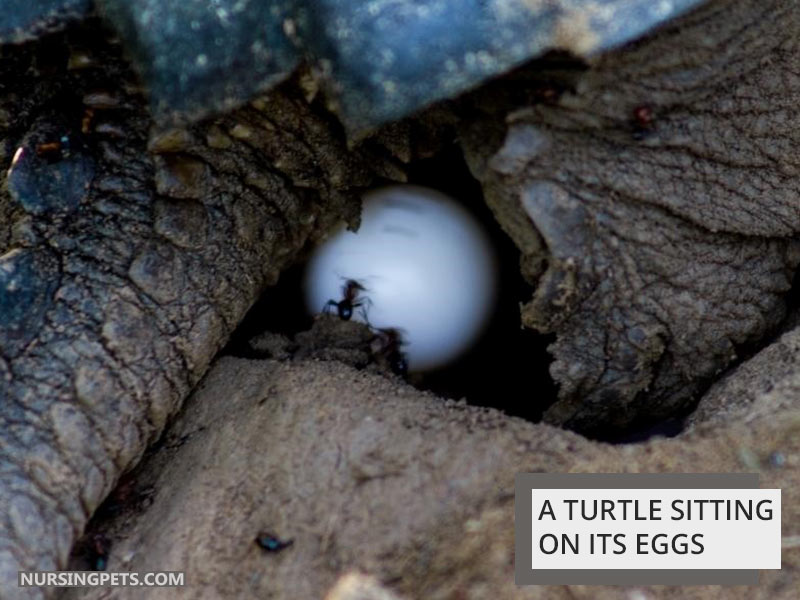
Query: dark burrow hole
(508, 369)
(507, 362)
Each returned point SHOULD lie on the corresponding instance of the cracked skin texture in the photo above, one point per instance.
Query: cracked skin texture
(137, 274)
(120, 282)
(656, 253)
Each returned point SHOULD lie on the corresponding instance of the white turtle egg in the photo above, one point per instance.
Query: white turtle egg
(426, 266)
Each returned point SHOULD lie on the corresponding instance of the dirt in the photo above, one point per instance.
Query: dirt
(365, 474)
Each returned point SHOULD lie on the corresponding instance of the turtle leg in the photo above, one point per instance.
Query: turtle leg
(125, 266)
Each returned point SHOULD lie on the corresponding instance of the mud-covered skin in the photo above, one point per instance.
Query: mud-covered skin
(118, 294)
(119, 285)
(369, 474)
(657, 253)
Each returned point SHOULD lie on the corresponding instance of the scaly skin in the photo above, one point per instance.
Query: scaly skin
(658, 249)
(123, 270)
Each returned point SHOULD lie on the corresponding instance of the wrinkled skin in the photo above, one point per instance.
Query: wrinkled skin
(118, 287)
(123, 271)
(656, 253)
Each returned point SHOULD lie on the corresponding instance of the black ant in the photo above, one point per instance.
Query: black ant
(350, 300)
(386, 347)
(272, 543)
(54, 151)
(99, 548)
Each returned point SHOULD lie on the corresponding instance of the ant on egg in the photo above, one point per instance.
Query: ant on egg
(386, 347)
(351, 299)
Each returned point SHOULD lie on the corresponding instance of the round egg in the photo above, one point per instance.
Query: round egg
(426, 268)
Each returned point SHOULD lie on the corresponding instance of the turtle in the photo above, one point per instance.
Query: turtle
(379, 63)
(163, 162)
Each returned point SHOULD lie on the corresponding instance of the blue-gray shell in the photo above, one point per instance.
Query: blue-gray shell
(379, 60)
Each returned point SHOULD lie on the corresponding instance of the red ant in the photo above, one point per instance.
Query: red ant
(643, 121)
(546, 94)
(86, 121)
(54, 150)
(386, 348)
(350, 292)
